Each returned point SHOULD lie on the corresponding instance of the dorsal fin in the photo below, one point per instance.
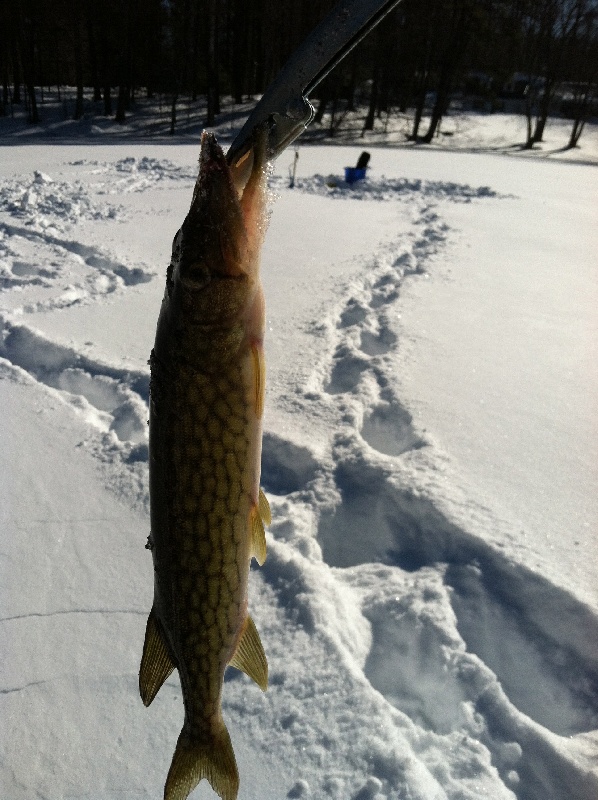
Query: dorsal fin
(249, 656)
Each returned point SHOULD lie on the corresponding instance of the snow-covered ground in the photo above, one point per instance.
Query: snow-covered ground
(428, 605)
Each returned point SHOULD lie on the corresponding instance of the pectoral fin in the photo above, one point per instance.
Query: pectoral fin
(249, 656)
(264, 508)
(259, 379)
(156, 663)
(258, 536)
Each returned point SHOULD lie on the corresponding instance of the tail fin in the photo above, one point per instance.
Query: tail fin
(193, 760)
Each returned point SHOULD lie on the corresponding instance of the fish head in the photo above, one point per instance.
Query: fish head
(214, 272)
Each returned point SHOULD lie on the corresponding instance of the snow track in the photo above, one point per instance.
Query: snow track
(412, 656)
(42, 202)
(463, 639)
(112, 399)
(384, 189)
(60, 272)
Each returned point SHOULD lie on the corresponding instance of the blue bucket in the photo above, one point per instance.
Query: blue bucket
(353, 174)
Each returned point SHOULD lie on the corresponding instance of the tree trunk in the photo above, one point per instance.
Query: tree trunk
(239, 50)
(352, 87)
(121, 104)
(529, 141)
(195, 55)
(33, 113)
(107, 100)
(258, 49)
(435, 118)
(539, 129)
(78, 60)
(125, 67)
(576, 131)
(332, 126)
(211, 67)
(4, 66)
(581, 115)
(439, 110)
(420, 102)
(323, 102)
(543, 109)
(58, 61)
(368, 125)
(173, 114)
(5, 92)
(16, 74)
(106, 64)
(217, 109)
(458, 37)
(26, 43)
(4, 39)
(93, 54)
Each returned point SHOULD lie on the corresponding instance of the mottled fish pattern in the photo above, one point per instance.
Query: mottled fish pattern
(207, 510)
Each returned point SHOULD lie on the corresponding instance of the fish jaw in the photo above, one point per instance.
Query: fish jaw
(214, 271)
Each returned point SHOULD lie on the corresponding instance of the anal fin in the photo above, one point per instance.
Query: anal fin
(258, 536)
(156, 663)
(249, 656)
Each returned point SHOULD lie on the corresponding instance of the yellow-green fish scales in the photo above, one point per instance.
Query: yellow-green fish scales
(207, 512)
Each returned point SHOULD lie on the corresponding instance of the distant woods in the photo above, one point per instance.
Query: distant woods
(541, 53)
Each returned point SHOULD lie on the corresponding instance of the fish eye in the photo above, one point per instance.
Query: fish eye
(199, 275)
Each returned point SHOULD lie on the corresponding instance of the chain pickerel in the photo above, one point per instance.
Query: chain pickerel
(207, 510)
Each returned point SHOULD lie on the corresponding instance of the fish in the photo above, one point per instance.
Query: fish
(207, 510)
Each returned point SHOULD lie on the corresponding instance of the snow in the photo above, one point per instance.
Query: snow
(428, 605)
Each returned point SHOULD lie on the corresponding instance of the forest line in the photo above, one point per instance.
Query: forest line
(543, 54)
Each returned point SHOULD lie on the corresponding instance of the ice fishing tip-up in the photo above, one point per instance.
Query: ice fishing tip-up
(284, 105)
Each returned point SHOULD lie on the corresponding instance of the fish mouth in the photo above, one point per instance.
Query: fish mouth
(214, 237)
(212, 163)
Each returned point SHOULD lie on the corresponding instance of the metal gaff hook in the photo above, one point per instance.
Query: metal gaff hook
(284, 107)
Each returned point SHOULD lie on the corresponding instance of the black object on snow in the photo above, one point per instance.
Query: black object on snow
(363, 160)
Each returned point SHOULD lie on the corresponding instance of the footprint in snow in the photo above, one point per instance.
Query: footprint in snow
(522, 660)
(61, 272)
(353, 314)
(110, 398)
(380, 343)
(388, 429)
(347, 369)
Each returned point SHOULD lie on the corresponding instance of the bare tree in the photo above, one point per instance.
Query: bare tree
(582, 70)
(211, 50)
(550, 27)
(77, 50)
(125, 58)
(459, 28)
(179, 29)
(25, 24)
(419, 47)
(421, 52)
(4, 57)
